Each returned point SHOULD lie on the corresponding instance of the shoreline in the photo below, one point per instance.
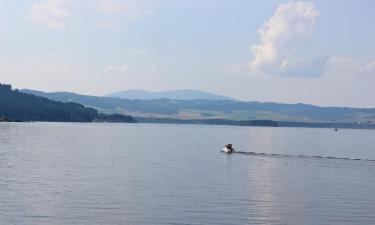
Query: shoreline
(219, 122)
(258, 123)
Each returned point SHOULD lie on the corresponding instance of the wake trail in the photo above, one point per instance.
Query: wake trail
(299, 156)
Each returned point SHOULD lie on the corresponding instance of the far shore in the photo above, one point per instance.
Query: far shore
(245, 123)
(258, 123)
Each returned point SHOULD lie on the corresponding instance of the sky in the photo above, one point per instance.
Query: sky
(315, 52)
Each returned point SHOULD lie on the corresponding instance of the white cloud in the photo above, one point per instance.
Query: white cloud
(351, 66)
(50, 13)
(291, 25)
(117, 68)
(304, 68)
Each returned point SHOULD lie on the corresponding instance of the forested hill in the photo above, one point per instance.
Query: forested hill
(18, 106)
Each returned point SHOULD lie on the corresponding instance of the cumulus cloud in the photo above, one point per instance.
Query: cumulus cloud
(291, 25)
(304, 68)
(351, 66)
(50, 13)
(117, 68)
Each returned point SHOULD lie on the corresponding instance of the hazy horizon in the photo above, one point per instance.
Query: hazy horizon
(162, 91)
(313, 52)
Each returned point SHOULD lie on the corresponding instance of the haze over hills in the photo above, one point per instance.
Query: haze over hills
(217, 109)
(185, 94)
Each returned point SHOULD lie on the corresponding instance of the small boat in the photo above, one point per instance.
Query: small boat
(336, 129)
(228, 148)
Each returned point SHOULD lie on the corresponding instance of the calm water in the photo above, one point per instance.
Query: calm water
(61, 173)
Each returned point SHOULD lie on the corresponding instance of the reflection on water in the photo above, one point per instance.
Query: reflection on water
(61, 173)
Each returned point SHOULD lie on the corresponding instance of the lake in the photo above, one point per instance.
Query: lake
(74, 173)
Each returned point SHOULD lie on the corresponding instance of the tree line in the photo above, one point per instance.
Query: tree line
(18, 106)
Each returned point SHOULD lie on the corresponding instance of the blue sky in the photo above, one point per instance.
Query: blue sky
(318, 52)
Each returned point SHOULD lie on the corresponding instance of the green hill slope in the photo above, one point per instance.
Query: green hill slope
(18, 106)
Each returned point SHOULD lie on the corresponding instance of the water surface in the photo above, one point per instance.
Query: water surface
(66, 173)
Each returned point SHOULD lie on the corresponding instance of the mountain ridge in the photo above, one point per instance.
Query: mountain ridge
(217, 109)
(181, 94)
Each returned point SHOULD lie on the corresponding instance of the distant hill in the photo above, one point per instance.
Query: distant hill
(218, 109)
(174, 94)
(18, 106)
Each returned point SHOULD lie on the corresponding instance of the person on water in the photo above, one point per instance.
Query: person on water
(229, 147)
